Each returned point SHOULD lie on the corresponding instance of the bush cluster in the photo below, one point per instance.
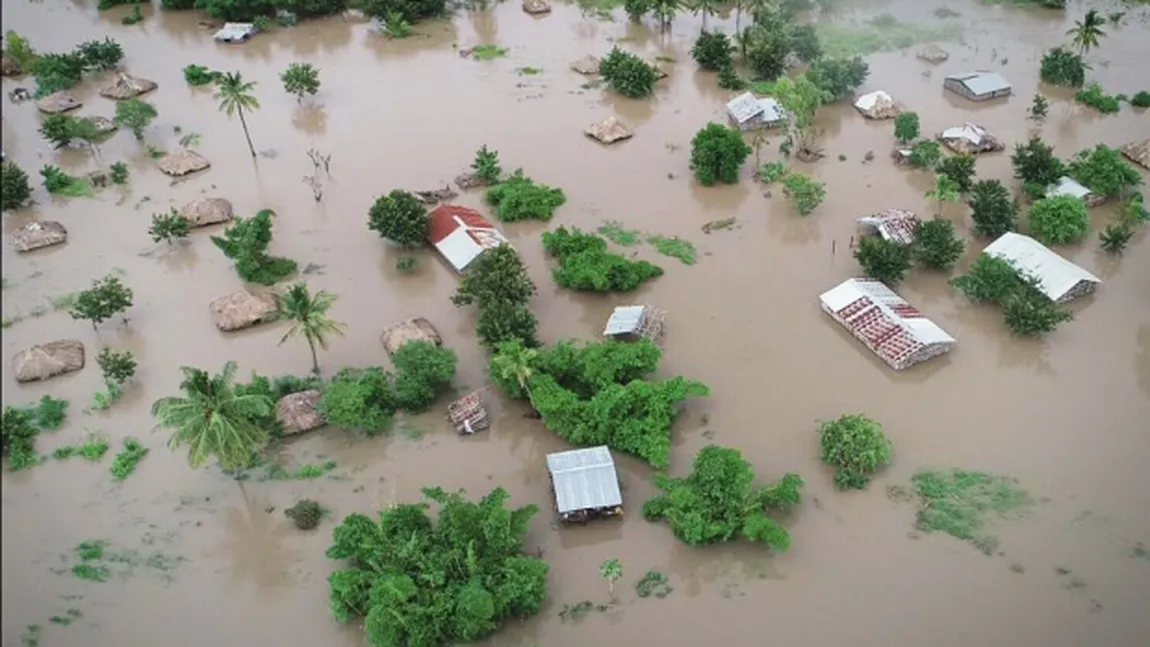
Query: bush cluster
(586, 265)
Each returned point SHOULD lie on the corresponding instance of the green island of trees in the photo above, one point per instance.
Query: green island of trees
(497, 283)
(246, 242)
(586, 265)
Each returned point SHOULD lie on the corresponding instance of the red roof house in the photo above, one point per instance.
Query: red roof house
(460, 234)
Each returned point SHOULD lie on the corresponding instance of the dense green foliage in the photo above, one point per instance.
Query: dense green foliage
(200, 75)
(306, 314)
(18, 439)
(1036, 166)
(729, 79)
(100, 55)
(628, 74)
(992, 208)
(118, 172)
(400, 217)
(906, 127)
(772, 38)
(246, 242)
(717, 154)
(300, 79)
(495, 275)
(361, 399)
(423, 369)
(1104, 171)
(305, 514)
(116, 368)
(937, 244)
(717, 502)
(989, 279)
(804, 192)
(597, 394)
(411, 10)
(273, 389)
(586, 265)
(61, 130)
(20, 50)
(1114, 237)
(106, 298)
(57, 182)
(520, 198)
(1062, 67)
(502, 321)
(419, 583)
(925, 153)
(1029, 313)
(801, 99)
(1058, 220)
(486, 165)
(234, 10)
(885, 260)
(960, 169)
(944, 190)
(135, 115)
(838, 77)
(712, 51)
(1141, 99)
(772, 172)
(1039, 107)
(856, 446)
(169, 227)
(1094, 96)
(1026, 310)
(15, 191)
(56, 72)
(126, 460)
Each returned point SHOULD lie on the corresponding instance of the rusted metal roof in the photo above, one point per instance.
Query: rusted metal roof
(893, 224)
(584, 479)
(460, 234)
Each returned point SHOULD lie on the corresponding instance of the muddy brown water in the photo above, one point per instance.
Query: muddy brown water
(1066, 415)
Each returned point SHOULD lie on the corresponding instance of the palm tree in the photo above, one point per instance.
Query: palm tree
(235, 96)
(1087, 31)
(213, 420)
(945, 190)
(705, 8)
(665, 11)
(514, 361)
(308, 314)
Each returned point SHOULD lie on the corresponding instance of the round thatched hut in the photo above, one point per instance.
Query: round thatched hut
(183, 162)
(203, 212)
(241, 309)
(299, 412)
(127, 86)
(414, 329)
(58, 102)
(44, 361)
(39, 234)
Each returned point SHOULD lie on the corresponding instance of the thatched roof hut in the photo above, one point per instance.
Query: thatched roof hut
(609, 131)
(44, 361)
(58, 102)
(35, 235)
(932, 54)
(203, 212)
(241, 309)
(1138, 152)
(103, 124)
(536, 7)
(414, 329)
(588, 65)
(183, 162)
(127, 86)
(9, 66)
(299, 412)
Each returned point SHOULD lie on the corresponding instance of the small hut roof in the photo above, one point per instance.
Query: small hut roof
(895, 225)
(609, 131)
(1138, 152)
(202, 212)
(878, 105)
(241, 309)
(970, 138)
(44, 361)
(183, 162)
(584, 479)
(127, 86)
(588, 65)
(58, 102)
(536, 7)
(36, 235)
(414, 329)
(933, 54)
(9, 66)
(103, 124)
(299, 412)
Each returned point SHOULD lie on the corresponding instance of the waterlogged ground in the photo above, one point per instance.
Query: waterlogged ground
(204, 560)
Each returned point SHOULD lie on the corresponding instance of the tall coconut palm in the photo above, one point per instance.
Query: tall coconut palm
(665, 11)
(705, 8)
(213, 420)
(307, 313)
(235, 96)
(514, 362)
(1087, 31)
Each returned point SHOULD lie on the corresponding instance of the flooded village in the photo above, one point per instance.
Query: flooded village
(832, 329)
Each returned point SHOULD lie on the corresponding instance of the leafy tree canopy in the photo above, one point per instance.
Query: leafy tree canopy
(717, 502)
(1062, 67)
(885, 260)
(520, 198)
(106, 298)
(960, 169)
(300, 79)
(61, 130)
(399, 217)
(1036, 166)
(856, 446)
(423, 369)
(925, 153)
(503, 321)
(15, 191)
(55, 72)
(100, 54)
(361, 399)
(712, 50)
(628, 74)
(1026, 310)
(992, 208)
(432, 584)
(309, 8)
(1059, 220)
(117, 368)
(411, 10)
(169, 227)
(717, 154)
(246, 242)
(937, 244)
(486, 165)
(906, 127)
(804, 192)
(586, 265)
(1103, 170)
(496, 275)
(135, 115)
(838, 77)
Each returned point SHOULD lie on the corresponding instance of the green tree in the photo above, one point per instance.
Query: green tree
(992, 209)
(1059, 220)
(960, 169)
(717, 502)
(512, 366)
(717, 154)
(56, 72)
(521, 198)
(100, 55)
(1060, 66)
(362, 399)
(628, 74)
(246, 242)
(411, 10)
(200, 75)
(665, 11)
(936, 244)
(118, 171)
(169, 227)
(611, 570)
(945, 190)
(885, 260)
(906, 127)
(767, 43)
(1029, 313)
(704, 8)
(1036, 166)
(729, 79)
(423, 369)
(300, 79)
(1103, 170)
(20, 50)
(856, 446)
(235, 96)
(801, 99)
(586, 265)
(18, 439)
(61, 130)
(15, 192)
(495, 275)
(418, 582)
(712, 50)
(1086, 32)
(838, 77)
(486, 165)
(1026, 311)
(925, 153)
(399, 217)
(804, 192)
(116, 368)
(1114, 237)
(135, 115)
(212, 420)
(636, 9)
(808, 48)
(1039, 107)
(307, 314)
(989, 279)
(503, 321)
(106, 298)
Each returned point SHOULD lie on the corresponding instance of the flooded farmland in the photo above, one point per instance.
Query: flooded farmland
(1066, 415)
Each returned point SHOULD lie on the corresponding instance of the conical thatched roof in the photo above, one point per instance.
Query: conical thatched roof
(299, 412)
(414, 329)
(609, 131)
(127, 86)
(44, 361)
(1138, 152)
(536, 7)
(203, 212)
(241, 309)
(35, 235)
(58, 102)
(933, 54)
(588, 65)
(183, 162)
(10, 66)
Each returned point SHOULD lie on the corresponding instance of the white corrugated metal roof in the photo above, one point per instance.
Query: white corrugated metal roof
(868, 101)
(744, 108)
(234, 30)
(624, 319)
(1068, 186)
(981, 82)
(894, 308)
(459, 248)
(584, 479)
(1056, 275)
(772, 110)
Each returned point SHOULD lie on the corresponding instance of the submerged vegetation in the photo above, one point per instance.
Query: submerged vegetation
(521, 198)
(1026, 310)
(962, 504)
(246, 242)
(586, 265)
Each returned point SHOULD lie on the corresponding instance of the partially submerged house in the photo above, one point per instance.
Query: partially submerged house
(461, 234)
(235, 32)
(895, 225)
(183, 162)
(413, 329)
(882, 320)
(631, 323)
(127, 86)
(58, 102)
(1067, 185)
(1138, 152)
(1057, 277)
(241, 309)
(585, 484)
(878, 105)
(299, 412)
(748, 112)
(979, 85)
(970, 138)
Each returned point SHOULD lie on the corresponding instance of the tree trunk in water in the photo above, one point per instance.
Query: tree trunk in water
(244, 123)
(314, 358)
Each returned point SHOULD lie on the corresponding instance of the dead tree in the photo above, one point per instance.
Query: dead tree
(318, 160)
(316, 186)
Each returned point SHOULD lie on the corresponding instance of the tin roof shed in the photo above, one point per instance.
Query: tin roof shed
(981, 83)
(892, 224)
(235, 32)
(1057, 277)
(747, 110)
(460, 234)
(624, 320)
(584, 479)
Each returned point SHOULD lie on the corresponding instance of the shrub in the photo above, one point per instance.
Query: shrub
(486, 165)
(989, 279)
(15, 192)
(505, 321)
(636, 9)
(1039, 107)
(838, 77)
(856, 446)
(55, 72)
(960, 169)
(200, 75)
(246, 242)
(925, 153)
(712, 51)
(1115, 237)
(300, 79)
(1036, 166)
(135, 115)
(61, 130)
(717, 154)
(906, 127)
(309, 8)
(422, 369)
(520, 198)
(1134, 211)
(60, 183)
(1029, 313)
(1141, 99)
(116, 368)
(399, 217)
(1093, 96)
(586, 265)
(362, 399)
(883, 259)
(1104, 171)
(236, 10)
(119, 173)
(627, 74)
(495, 275)
(17, 47)
(805, 193)
(936, 244)
(1063, 67)
(1059, 220)
(100, 54)
(106, 298)
(169, 227)
(411, 10)
(729, 79)
(18, 439)
(305, 514)
(772, 172)
(992, 209)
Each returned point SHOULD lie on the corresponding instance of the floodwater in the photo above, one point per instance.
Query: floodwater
(1065, 415)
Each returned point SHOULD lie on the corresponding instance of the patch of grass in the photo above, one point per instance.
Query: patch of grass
(772, 172)
(529, 71)
(125, 462)
(31, 636)
(305, 472)
(959, 503)
(653, 583)
(576, 612)
(488, 52)
(93, 450)
(1094, 96)
(68, 618)
(60, 183)
(154, 152)
(91, 572)
(890, 34)
(64, 301)
(615, 232)
(674, 247)
(91, 549)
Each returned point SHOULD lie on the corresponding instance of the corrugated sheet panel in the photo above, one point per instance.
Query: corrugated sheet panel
(624, 320)
(1056, 275)
(584, 479)
(981, 83)
(744, 108)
